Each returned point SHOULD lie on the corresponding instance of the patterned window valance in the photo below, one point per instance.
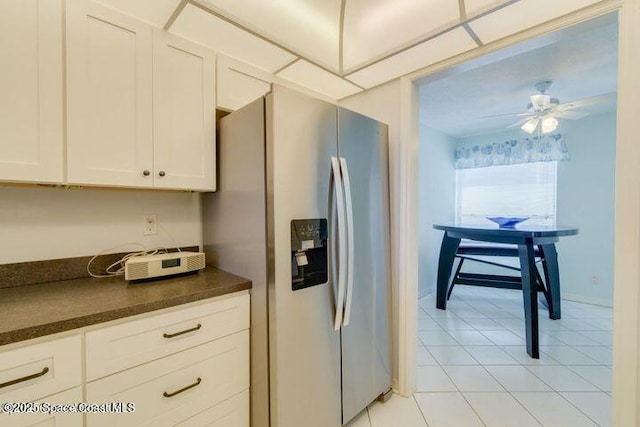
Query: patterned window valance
(524, 150)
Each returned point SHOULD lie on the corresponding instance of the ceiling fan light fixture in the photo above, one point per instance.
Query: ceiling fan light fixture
(540, 101)
(530, 125)
(549, 124)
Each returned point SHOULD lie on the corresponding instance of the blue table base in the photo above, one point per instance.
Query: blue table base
(526, 251)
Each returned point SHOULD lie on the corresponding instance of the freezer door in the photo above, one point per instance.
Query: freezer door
(366, 350)
(304, 348)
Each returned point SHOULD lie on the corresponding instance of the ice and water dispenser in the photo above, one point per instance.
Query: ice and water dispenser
(309, 265)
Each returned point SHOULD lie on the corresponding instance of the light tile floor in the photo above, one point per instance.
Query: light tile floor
(473, 368)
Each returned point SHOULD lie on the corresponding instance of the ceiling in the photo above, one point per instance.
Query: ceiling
(344, 46)
(580, 60)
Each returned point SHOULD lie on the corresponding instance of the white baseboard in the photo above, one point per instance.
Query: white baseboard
(587, 300)
(425, 292)
(569, 297)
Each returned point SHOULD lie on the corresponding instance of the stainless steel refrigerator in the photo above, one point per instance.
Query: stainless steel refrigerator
(302, 209)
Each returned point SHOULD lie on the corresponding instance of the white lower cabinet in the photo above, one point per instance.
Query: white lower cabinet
(175, 387)
(49, 372)
(233, 412)
(53, 419)
(115, 348)
(189, 365)
(174, 373)
(34, 371)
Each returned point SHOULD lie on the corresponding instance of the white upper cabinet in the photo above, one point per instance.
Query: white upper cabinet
(31, 84)
(109, 97)
(183, 114)
(140, 104)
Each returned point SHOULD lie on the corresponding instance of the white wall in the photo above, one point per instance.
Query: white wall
(586, 197)
(436, 200)
(38, 223)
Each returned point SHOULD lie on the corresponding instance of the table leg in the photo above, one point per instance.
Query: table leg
(448, 251)
(552, 278)
(530, 296)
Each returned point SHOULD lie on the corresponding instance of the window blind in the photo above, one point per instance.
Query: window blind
(519, 190)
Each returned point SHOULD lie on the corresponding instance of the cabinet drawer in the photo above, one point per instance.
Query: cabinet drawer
(113, 349)
(44, 419)
(233, 412)
(31, 372)
(175, 387)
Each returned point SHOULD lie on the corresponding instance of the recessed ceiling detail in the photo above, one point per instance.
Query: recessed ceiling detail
(445, 46)
(155, 12)
(310, 27)
(366, 42)
(201, 27)
(474, 7)
(522, 15)
(373, 28)
(308, 75)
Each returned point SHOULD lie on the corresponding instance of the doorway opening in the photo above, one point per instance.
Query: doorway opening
(474, 352)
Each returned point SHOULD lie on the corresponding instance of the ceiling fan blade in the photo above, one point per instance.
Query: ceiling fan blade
(606, 98)
(571, 115)
(506, 115)
(519, 123)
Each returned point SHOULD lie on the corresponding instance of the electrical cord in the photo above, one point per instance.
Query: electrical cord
(119, 265)
(175, 245)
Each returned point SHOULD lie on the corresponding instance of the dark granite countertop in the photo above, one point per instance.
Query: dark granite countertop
(36, 310)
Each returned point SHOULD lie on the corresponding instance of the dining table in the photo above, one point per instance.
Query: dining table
(528, 241)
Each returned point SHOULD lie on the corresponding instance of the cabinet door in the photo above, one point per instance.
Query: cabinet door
(119, 347)
(184, 114)
(44, 419)
(109, 97)
(174, 388)
(37, 370)
(233, 412)
(31, 87)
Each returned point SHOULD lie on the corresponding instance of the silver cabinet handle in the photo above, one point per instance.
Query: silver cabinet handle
(349, 204)
(335, 168)
(186, 331)
(146, 172)
(26, 378)
(197, 383)
(161, 173)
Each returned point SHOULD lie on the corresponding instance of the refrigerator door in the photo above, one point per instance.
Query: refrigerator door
(366, 350)
(303, 346)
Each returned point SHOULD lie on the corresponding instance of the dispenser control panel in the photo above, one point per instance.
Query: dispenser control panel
(309, 266)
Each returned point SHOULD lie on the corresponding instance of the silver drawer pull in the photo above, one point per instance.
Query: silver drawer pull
(186, 331)
(197, 383)
(27, 378)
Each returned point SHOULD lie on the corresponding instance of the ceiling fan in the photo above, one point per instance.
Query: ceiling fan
(543, 111)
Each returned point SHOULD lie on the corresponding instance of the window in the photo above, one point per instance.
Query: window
(525, 190)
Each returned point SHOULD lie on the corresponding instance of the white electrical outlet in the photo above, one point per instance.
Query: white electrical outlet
(150, 225)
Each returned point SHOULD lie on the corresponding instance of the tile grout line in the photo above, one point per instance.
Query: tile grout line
(473, 409)
(420, 410)
(586, 379)
(578, 409)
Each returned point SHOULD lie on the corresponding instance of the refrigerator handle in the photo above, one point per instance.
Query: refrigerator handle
(349, 206)
(342, 252)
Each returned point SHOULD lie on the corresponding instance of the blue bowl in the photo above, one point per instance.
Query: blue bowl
(507, 222)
